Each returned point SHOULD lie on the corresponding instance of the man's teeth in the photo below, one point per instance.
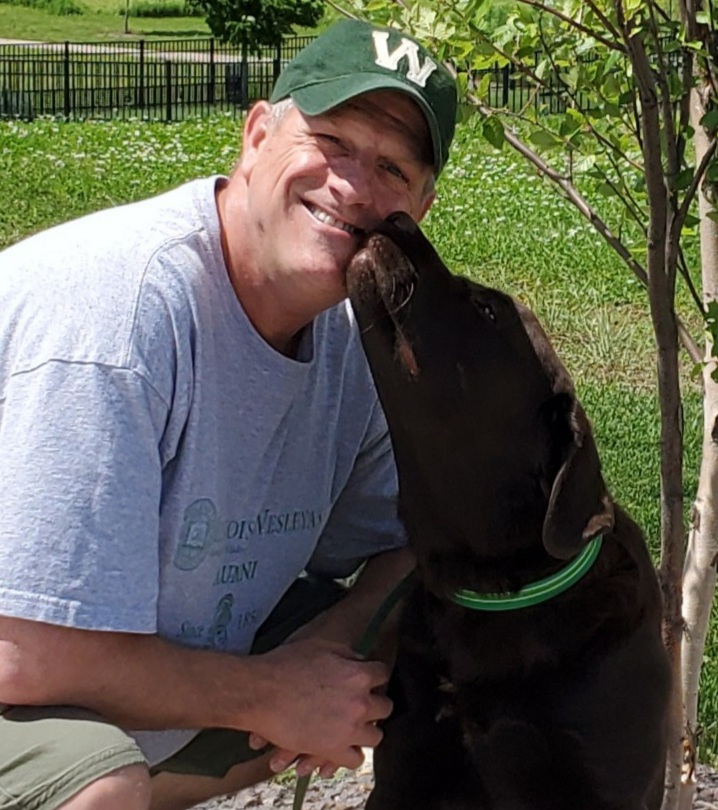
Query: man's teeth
(328, 219)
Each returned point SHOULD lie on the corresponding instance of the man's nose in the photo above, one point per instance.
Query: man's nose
(352, 180)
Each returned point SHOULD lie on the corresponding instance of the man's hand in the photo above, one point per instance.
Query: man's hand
(345, 624)
(324, 703)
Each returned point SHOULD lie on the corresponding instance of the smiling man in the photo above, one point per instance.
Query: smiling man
(193, 452)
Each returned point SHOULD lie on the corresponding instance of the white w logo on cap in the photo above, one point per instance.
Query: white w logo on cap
(417, 72)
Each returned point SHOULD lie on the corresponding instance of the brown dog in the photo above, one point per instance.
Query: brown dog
(531, 673)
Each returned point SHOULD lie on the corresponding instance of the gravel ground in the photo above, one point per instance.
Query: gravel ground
(707, 792)
(349, 791)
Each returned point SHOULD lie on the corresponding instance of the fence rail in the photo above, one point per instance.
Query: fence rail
(172, 79)
(165, 79)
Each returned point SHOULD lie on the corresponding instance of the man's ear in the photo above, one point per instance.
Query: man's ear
(426, 205)
(256, 131)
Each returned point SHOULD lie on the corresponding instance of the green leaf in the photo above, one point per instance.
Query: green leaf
(483, 86)
(465, 112)
(712, 171)
(605, 189)
(493, 131)
(683, 179)
(710, 120)
(584, 163)
(544, 140)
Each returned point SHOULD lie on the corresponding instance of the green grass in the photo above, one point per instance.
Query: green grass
(101, 21)
(494, 220)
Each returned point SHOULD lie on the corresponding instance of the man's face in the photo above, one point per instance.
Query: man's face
(316, 183)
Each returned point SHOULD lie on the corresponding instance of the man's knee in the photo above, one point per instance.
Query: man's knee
(126, 788)
(62, 756)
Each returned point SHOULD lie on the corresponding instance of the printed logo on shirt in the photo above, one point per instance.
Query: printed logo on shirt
(203, 533)
(194, 634)
(267, 522)
(217, 636)
(232, 574)
(199, 532)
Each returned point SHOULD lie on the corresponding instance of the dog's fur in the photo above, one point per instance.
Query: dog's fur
(559, 706)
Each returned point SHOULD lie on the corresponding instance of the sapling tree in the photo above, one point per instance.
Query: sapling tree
(621, 101)
(254, 24)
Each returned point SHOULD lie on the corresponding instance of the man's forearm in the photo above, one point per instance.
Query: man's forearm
(349, 618)
(313, 695)
(135, 681)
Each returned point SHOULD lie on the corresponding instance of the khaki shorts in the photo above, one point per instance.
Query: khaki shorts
(49, 753)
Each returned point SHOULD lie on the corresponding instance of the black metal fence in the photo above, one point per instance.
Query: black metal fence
(165, 79)
(172, 79)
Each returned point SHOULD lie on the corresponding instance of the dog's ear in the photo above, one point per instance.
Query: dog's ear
(580, 507)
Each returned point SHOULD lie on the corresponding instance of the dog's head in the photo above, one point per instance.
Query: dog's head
(490, 441)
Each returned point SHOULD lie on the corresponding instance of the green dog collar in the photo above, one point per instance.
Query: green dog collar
(536, 592)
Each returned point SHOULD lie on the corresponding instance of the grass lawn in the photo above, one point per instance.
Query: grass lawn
(494, 220)
(101, 21)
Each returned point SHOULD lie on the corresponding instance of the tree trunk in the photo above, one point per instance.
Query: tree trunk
(661, 294)
(699, 576)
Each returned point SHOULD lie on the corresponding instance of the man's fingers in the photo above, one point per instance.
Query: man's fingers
(351, 758)
(282, 759)
(379, 709)
(377, 673)
(256, 742)
(326, 768)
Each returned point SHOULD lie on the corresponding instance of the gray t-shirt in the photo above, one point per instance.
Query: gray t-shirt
(162, 468)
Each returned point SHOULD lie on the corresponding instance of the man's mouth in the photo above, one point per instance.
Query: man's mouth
(327, 219)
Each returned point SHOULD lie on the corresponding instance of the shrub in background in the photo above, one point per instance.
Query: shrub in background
(61, 8)
(161, 8)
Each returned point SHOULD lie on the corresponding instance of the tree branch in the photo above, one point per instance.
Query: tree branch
(574, 24)
(607, 24)
(695, 183)
(344, 12)
(585, 209)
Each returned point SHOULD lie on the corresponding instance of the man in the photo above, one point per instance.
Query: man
(187, 423)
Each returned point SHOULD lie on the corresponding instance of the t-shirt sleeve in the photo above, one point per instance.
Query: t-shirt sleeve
(80, 483)
(364, 520)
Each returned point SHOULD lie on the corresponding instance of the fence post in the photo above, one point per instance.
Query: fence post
(277, 66)
(141, 77)
(505, 87)
(212, 73)
(168, 90)
(66, 78)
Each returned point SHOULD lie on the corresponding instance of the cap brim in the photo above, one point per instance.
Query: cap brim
(323, 96)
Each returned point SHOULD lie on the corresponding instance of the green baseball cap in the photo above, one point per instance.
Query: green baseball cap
(354, 57)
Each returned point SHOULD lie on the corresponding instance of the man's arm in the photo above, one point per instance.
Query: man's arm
(313, 695)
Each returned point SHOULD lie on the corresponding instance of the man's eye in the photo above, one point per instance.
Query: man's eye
(395, 171)
(332, 139)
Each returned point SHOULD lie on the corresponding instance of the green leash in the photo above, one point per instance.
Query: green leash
(536, 592)
(363, 648)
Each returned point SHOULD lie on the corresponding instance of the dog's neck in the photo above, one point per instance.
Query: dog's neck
(536, 592)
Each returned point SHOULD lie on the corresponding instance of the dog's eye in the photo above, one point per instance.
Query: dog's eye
(486, 310)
